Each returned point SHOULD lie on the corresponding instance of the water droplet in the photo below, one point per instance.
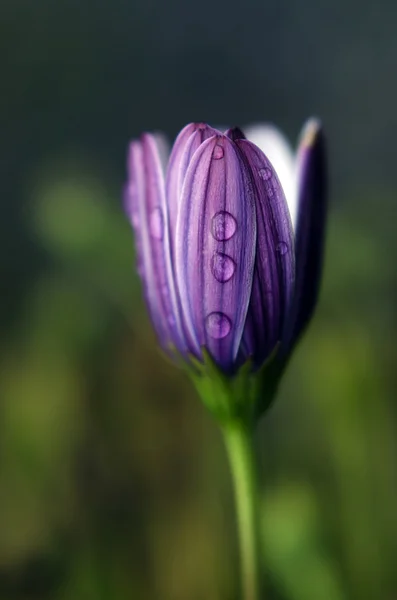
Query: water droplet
(218, 152)
(269, 188)
(222, 267)
(265, 173)
(224, 226)
(156, 223)
(282, 248)
(218, 325)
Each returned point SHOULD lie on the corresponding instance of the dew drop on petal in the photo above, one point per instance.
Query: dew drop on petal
(222, 267)
(218, 325)
(282, 248)
(156, 223)
(224, 226)
(218, 152)
(269, 189)
(265, 173)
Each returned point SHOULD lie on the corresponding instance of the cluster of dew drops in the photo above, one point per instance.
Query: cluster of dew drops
(223, 228)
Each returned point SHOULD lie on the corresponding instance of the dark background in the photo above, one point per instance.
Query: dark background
(113, 480)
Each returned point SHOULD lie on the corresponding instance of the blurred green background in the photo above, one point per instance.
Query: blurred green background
(113, 478)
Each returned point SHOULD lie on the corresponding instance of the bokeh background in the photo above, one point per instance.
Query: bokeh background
(113, 478)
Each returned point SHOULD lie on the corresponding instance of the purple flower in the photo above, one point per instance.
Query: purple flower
(229, 238)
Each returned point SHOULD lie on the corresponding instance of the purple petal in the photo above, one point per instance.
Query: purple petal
(310, 228)
(215, 249)
(145, 205)
(277, 149)
(273, 281)
(235, 133)
(187, 142)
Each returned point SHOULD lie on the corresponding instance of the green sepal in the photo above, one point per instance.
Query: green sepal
(243, 396)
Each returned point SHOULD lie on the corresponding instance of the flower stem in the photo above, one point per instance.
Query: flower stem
(238, 439)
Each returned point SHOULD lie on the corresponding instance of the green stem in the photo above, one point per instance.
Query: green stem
(239, 445)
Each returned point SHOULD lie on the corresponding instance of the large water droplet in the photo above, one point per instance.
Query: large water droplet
(156, 223)
(222, 267)
(265, 173)
(282, 248)
(224, 226)
(218, 325)
(218, 152)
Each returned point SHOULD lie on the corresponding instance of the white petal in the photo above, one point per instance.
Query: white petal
(278, 150)
(163, 148)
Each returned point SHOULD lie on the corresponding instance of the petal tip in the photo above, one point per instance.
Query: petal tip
(235, 133)
(310, 132)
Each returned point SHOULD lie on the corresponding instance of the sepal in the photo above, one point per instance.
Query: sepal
(242, 397)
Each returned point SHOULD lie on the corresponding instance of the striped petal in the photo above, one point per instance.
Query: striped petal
(310, 229)
(187, 142)
(278, 150)
(215, 248)
(273, 281)
(145, 205)
(235, 133)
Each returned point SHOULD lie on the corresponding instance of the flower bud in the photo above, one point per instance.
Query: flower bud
(230, 264)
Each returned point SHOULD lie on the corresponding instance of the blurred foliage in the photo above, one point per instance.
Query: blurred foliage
(113, 478)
